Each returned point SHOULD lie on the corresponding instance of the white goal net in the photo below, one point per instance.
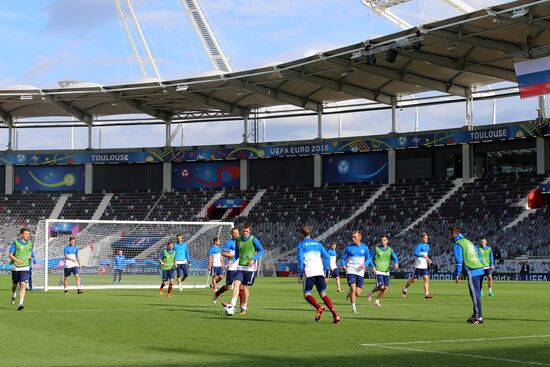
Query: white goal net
(141, 243)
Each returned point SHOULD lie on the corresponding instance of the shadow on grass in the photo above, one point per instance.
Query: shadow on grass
(238, 353)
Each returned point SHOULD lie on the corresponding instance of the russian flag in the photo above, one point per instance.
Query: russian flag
(533, 77)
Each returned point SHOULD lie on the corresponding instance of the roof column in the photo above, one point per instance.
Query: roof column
(320, 122)
(393, 114)
(245, 128)
(469, 109)
(9, 121)
(168, 126)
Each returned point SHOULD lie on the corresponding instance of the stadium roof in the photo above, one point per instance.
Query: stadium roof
(450, 56)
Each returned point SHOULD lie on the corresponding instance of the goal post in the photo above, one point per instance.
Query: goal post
(140, 242)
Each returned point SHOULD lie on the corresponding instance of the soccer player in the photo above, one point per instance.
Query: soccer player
(72, 265)
(420, 267)
(20, 255)
(382, 256)
(355, 259)
(119, 262)
(31, 264)
(333, 266)
(468, 260)
(215, 264)
(248, 251)
(167, 260)
(313, 260)
(228, 251)
(489, 261)
(183, 260)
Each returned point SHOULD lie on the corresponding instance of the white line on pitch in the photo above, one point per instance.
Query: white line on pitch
(457, 354)
(462, 340)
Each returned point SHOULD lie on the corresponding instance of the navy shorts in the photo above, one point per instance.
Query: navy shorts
(20, 276)
(358, 280)
(216, 270)
(68, 271)
(382, 280)
(182, 269)
(245, 277)
(420, 273)
(333, 273)
(230, 276)
(488, 271)
(317, 281)
(168, 274)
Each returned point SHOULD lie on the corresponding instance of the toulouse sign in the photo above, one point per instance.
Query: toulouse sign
(364, 144)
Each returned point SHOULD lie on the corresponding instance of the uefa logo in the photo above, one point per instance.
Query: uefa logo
(343, 167)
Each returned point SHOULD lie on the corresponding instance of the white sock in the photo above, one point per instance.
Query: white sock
(14, 294)
(404, 289)
(490, 289)
(245, 307)
(353, 306)
(427, 293)
(234, 302)
(21, 301)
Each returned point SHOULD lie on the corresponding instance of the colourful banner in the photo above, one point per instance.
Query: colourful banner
(344, 168)
(206, 175)
(363, 144)
(52, 178)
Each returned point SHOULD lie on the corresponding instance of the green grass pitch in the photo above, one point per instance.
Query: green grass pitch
(140, 328)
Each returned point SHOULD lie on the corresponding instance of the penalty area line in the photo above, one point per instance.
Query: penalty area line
(462, 340)
(514, 361)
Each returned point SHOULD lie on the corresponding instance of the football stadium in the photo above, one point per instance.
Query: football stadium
(379, 202)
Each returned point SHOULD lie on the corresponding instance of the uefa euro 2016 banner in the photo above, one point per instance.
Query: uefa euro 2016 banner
(364, 144)
(206, 175)
(343, 168)
(49, 178)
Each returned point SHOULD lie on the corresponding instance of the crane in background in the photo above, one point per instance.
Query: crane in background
(148, 65)
(383, 8)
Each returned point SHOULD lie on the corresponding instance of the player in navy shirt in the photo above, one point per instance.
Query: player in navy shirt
(313, 261)
(119, 262)
(215, 264)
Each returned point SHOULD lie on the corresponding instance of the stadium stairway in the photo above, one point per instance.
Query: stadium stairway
(204, 211)
(457, 184)
(252, 203)
(59, 206)
(102, 206)
(341, 224)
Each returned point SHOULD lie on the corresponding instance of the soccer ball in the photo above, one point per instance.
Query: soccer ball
(229, 310)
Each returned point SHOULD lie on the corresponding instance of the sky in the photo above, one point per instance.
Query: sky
(54, 40)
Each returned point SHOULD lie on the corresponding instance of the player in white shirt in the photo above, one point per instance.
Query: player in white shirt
(333, 271)
(215, 263)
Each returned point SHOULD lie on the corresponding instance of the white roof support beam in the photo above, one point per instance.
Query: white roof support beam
(278, 95)
(506, 48)
(404, 76)
(341, 86)
(462, 65)
(162, 115)
(216, 104)
(71, 110)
